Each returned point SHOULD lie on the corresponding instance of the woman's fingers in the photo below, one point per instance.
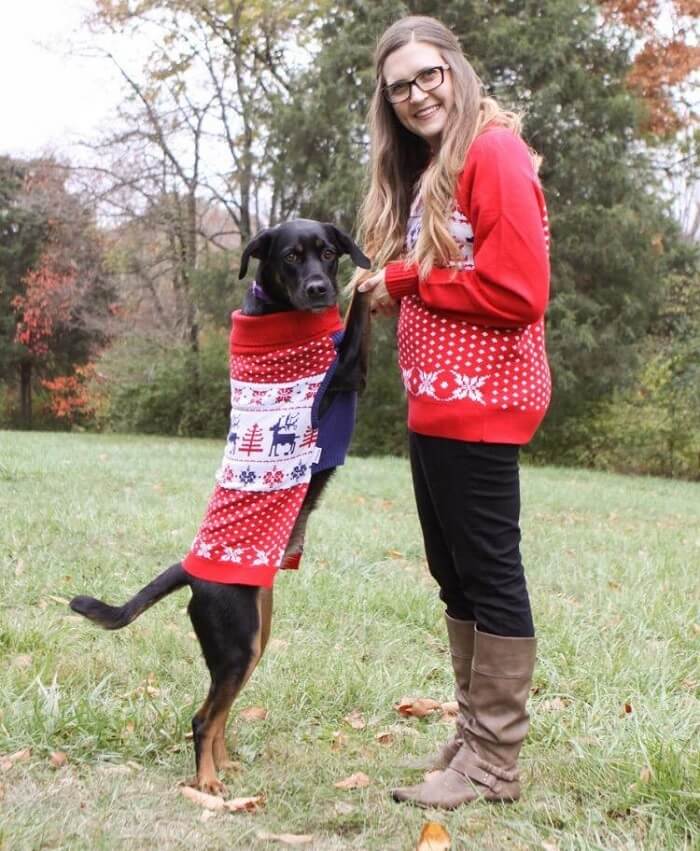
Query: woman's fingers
(372, 282)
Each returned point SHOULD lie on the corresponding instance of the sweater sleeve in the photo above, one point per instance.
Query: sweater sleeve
(509, 284)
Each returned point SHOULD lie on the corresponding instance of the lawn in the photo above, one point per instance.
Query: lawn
(612, 760)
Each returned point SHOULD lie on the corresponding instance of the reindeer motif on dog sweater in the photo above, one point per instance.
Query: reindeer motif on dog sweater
(281, 365)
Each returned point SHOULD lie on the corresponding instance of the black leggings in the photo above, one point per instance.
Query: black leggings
(468, 499)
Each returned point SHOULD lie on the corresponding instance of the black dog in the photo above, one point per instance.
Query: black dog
(297, 271)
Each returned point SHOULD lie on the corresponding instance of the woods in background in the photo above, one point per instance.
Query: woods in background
(117, 278)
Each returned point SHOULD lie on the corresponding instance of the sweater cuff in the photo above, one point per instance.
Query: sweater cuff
(401, 279)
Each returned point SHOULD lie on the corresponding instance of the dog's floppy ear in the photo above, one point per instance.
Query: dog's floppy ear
(347, 245)
(257, 247)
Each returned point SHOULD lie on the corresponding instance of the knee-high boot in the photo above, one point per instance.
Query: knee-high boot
(486, 764)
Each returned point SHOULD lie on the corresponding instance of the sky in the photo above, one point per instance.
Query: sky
(49, 97)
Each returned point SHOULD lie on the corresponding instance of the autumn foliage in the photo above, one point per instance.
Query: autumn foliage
(668, 58)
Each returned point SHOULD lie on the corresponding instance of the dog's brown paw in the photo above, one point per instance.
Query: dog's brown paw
(210, 785)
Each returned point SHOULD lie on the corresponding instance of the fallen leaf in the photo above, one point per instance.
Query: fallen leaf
(253, 713)
(394, 554)
(355, 781)
(614, 585)
(556, 704)
(245, 805)
(343, 808)
(58, 759)
(696, 628)
(339, 741)
(646, 774)
(202, 799)
(433, 837)
(450, 710)
(386, 737)
(627, 708)
(6, 762)
(286, 838)
(416, 707)
(129, 728)
(355, 720)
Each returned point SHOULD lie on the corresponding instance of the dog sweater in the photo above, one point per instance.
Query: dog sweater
(471, 335)
(280, 365)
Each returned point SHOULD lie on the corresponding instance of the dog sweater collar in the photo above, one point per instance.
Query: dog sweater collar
(277, 330)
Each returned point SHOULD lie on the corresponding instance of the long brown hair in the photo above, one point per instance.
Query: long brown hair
(400, 162)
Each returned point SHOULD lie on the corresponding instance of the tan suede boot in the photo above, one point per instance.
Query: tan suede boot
(461, 638)
(486, 764)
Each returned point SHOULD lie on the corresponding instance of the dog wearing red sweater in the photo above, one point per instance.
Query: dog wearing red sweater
(296, 371)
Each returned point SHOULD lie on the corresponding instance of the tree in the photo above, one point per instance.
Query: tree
(568, 74)
(62, 300)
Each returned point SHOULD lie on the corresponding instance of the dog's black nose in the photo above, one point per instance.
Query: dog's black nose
(316, 289)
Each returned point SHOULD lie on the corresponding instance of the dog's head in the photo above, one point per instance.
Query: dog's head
(299, 263)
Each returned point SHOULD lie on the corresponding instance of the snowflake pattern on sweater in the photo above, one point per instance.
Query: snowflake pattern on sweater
(463, 380)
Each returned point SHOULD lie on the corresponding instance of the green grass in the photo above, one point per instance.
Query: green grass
(612, 568)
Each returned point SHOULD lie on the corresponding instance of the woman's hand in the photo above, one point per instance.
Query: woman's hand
(381, 302)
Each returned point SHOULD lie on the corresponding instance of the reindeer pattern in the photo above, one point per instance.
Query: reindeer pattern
(272, 440)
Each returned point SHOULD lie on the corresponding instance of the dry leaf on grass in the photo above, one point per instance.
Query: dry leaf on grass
(386, 737)
(6, 762)
(355, 720)
(245, 805)
(202, 799)
(627, 709)
(217, 804)
(646, 774)
(394, 554)
(355, 781)
(58, 759)
(555, 704)
(339, 741)
(433, 837)
(253, 713)
(417, 707)
(450, 710)
(286, 838)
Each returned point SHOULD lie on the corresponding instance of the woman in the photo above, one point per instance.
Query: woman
(456, 223)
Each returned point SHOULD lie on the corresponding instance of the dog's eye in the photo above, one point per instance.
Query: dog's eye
(328, 254)
(292, 257)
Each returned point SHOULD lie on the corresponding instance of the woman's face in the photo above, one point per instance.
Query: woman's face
(423, 113)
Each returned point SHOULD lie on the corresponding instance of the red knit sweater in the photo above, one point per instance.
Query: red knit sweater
(471, 334)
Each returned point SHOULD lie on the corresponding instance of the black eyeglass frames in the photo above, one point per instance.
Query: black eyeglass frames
(425, 80)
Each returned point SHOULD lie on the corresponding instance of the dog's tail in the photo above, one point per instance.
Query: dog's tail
(116, 617)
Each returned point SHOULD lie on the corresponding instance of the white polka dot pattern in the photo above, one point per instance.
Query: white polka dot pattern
(260, 484)
(478, 370)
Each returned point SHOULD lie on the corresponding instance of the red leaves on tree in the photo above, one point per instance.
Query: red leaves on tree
(666, 59)
(69, 398)
(45, 303)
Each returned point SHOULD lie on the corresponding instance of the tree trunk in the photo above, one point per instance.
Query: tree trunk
(25, 378)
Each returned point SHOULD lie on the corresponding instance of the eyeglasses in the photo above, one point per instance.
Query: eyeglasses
(426, 80)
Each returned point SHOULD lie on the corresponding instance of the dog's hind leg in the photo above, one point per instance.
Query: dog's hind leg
(264, 601)
(226, 619)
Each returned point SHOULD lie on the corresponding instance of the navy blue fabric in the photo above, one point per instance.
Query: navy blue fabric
(336, 426)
